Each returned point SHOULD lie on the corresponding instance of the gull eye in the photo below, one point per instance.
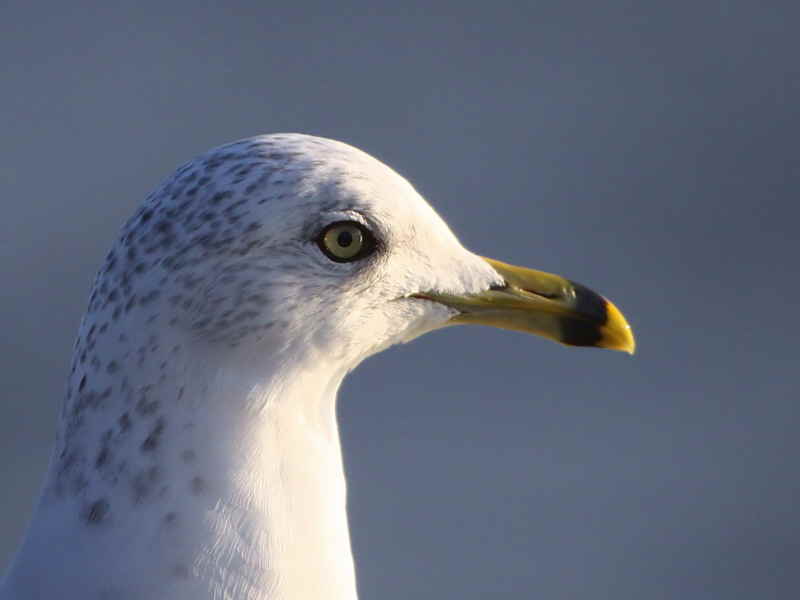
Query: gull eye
(345, 241)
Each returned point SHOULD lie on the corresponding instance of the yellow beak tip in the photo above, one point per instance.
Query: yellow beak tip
(617, 334)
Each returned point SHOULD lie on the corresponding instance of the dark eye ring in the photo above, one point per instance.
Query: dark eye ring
(346, 241)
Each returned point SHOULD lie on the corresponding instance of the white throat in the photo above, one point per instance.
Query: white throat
(223, 479)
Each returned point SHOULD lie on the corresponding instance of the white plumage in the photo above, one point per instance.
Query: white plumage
(198, 453)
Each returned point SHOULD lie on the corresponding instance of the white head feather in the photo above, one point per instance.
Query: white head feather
(198, 454)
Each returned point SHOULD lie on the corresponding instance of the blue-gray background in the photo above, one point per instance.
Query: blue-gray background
(649, 149)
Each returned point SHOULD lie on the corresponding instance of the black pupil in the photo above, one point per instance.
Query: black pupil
(344, 239)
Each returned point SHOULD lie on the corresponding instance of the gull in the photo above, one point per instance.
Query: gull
(198, 453)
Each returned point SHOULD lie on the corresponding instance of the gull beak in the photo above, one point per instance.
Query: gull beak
(543, 304)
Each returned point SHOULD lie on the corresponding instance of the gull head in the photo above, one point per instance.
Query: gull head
(302, 244)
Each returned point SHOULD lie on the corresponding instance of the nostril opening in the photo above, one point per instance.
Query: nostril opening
(496, 287)
(543, 294)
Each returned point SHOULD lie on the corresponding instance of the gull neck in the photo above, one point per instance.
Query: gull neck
(221, 477)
